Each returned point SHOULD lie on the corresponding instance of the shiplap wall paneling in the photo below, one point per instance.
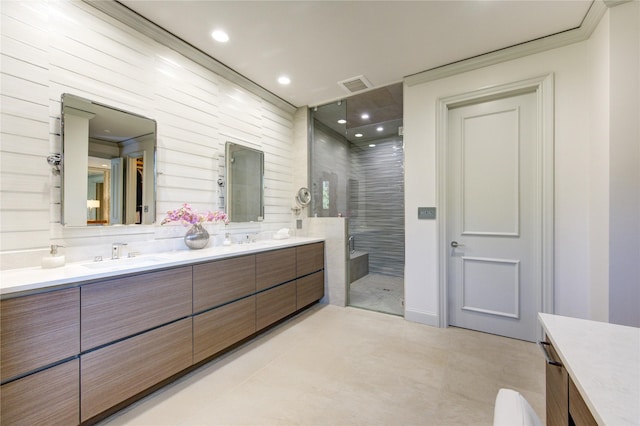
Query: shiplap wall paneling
(24, 142)
(49, 48)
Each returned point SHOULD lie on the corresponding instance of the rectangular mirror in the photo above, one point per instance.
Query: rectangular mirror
(108, 173)
(245, 189)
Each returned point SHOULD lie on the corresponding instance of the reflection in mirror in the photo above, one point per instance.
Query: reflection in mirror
(245, 174)
(108, 165)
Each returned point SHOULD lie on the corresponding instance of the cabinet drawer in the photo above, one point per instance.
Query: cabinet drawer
(557, 392)
(117, 372)
(309, 289)
(310, 258)
(220, 328)
(578, 410)
(275, 267)
(49, 397)
(38, 330)
(223, 281)
(118, 308)
(275, 304)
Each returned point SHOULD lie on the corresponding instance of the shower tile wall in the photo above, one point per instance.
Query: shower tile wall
(330, 164)
(377, 204)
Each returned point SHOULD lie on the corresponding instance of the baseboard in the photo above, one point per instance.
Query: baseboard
(428, 318)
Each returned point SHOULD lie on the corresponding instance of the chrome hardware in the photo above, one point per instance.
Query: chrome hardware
(547, 357)
(115, 250)
(54, 249)
(456, 244)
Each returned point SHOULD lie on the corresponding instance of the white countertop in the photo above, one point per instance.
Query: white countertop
(14, 281)
(603, 360)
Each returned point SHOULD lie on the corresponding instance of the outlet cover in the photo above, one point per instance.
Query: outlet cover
(426, 212)
(298, 223)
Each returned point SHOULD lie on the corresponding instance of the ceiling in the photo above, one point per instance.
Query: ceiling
(321, 43)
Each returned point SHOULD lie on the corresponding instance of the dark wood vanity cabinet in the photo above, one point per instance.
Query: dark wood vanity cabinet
(275, 267)
(121, 307)
(39, 344)
(72, 355)
(309, 258)
(565, 405)
(48, 397)
(222, 281)
(557, 386)
(38, 330)
(301, 269)
(309, 289)
(116, 372)
(216, 330)
(274, 304)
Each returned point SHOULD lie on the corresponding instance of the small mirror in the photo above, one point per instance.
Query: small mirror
(108, 165)
(245, 191)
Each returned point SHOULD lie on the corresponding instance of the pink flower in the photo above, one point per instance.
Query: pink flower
(188, 216)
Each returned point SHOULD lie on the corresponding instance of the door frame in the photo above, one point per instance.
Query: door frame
(543, 86)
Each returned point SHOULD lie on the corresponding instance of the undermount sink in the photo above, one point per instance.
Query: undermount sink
(127, 262)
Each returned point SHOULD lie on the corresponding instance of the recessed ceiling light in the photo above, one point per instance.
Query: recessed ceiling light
(220, 36)
(372, 145)
(365, 116)
(358, 135)
(342, 121)
(283, 79)
(380, 128)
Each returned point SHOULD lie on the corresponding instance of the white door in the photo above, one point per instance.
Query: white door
(491, 207)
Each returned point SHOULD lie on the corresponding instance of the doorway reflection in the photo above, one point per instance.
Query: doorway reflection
(357, 171)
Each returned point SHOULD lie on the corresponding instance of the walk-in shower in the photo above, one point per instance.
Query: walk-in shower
(357, 172)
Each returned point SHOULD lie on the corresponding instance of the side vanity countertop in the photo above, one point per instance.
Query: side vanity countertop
(14, 282)
(603, 360)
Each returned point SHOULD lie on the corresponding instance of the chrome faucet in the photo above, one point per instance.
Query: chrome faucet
(115, 250)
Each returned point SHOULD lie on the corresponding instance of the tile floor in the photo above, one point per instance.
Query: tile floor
(377, 292)
(344, 366)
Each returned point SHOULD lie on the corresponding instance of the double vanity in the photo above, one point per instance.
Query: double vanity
(80, 342)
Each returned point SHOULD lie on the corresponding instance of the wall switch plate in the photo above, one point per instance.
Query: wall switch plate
(426, 212)
(298, 223)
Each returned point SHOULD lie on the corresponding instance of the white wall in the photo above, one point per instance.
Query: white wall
(598, 65)
(597, 171)
(572, 175)
(624, 152)
(49, 48)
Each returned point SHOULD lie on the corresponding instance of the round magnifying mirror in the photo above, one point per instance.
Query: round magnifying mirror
(303, 197)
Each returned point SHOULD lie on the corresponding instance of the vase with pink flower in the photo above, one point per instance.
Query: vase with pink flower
(197, 237)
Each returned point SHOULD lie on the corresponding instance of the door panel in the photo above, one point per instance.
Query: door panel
(491, 198)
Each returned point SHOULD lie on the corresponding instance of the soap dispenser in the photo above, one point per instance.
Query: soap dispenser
(54, 259)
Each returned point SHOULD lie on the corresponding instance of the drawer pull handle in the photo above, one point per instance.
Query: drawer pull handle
(547, 357)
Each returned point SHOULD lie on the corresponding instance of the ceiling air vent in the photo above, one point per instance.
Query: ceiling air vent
(355, 84)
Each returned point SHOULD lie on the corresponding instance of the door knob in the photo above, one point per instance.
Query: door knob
(456, 244)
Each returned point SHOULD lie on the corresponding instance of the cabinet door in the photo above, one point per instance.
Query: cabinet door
(113, 374)
(219, 282)
(310, 289)
(578, 410)
(275, 304)
(38, 330)
(220, 328)
(310, 258)
(49, 397)
(121, 307)
(275, 267)
(557, 392)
